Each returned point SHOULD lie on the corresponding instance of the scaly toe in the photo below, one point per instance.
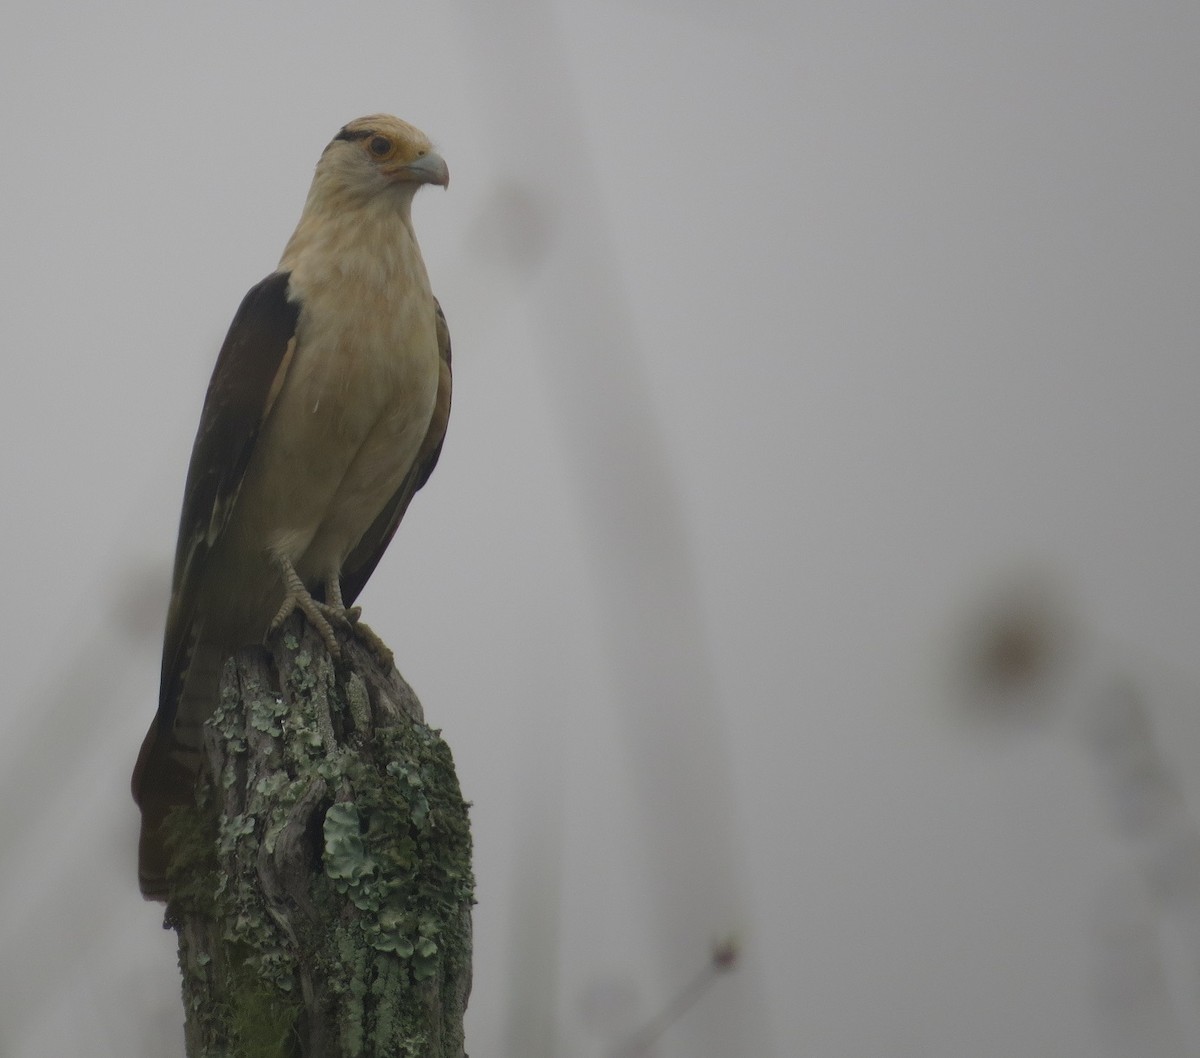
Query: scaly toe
(312, 610)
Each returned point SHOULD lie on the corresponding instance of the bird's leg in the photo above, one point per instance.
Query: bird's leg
(333, 597)
(333, 592)
(298, 597)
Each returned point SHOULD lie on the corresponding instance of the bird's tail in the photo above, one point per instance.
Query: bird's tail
(164, 777)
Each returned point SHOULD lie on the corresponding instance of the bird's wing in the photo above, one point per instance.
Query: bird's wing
(247, 378)
(361, 562)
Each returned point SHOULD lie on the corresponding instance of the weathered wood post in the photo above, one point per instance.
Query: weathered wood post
(322, 886)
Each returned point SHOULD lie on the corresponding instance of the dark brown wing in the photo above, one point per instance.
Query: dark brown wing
(365, 557)
(245, 382)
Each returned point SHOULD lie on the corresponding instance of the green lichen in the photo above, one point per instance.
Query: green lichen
(359, 702)
(346, 859)
(400, 851)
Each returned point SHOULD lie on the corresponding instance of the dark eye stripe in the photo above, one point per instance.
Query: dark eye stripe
(353, 134)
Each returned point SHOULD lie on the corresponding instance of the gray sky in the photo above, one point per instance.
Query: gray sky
(797, 346)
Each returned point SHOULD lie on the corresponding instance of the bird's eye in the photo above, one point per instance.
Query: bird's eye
(380, 146)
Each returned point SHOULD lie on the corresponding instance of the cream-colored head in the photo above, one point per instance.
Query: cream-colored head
(379, 154)
(360, 200)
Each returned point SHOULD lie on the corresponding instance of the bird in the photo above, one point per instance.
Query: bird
(325, 413)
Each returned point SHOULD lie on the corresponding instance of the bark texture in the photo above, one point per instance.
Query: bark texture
(321, 887)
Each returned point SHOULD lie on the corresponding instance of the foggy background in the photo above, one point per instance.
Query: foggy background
(813, 554)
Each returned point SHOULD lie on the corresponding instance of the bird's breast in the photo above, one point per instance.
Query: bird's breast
(344, 430)
(361, 371)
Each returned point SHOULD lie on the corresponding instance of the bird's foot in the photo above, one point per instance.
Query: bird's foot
(326, 616)
(322, 616)
(333, 592)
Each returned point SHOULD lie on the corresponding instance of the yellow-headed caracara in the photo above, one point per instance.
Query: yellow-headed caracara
(325, 413)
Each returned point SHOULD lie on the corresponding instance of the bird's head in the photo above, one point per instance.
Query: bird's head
(380, 153)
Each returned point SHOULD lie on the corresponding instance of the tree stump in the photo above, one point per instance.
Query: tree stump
(321, 887)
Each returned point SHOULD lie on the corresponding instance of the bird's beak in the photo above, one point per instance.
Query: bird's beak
(430, 168)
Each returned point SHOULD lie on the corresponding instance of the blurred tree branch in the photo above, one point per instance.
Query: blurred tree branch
(321, 887)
